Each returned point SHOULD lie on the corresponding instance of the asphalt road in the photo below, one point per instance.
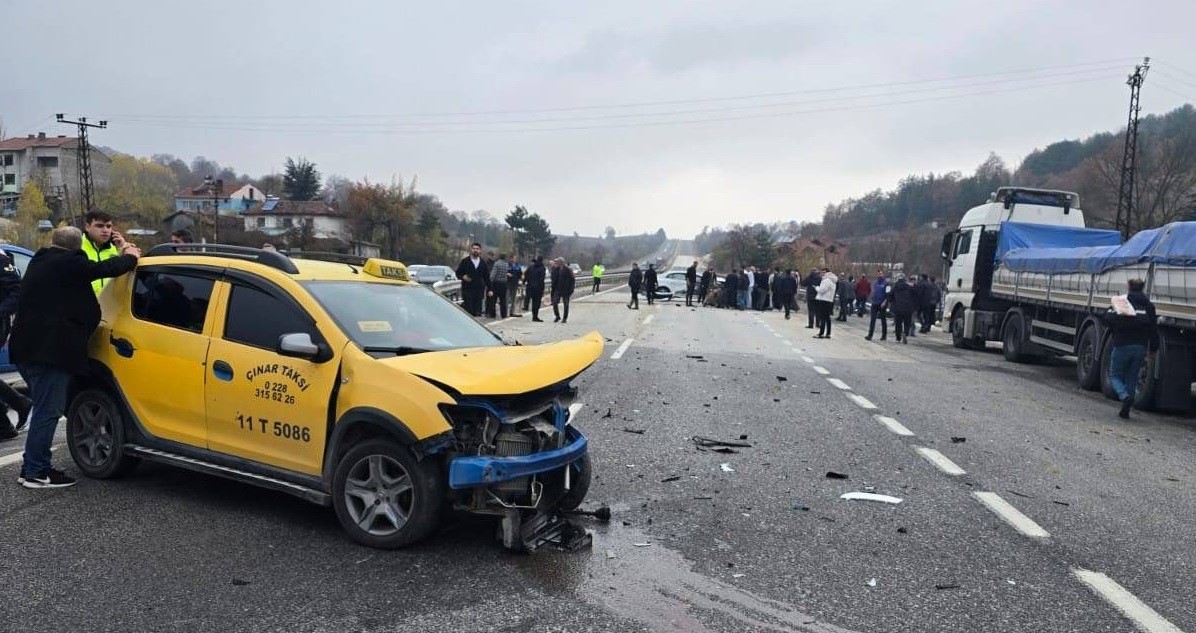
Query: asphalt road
(757, 540)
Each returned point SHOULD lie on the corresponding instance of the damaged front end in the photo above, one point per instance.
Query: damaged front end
(518, 458)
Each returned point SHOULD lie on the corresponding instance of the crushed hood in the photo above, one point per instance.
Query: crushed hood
(506, 370)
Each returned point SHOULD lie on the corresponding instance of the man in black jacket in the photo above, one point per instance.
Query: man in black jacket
(704, 285)
(691, 282)
(535, 276)
(813, 280)
(10, 288)
(635, 281)
(760, 301)
(1134, 337)
(56, 314)
(727, 296)
(786, 291)
(905, 303)
(650, 283)
(563, 282)
(474, 274)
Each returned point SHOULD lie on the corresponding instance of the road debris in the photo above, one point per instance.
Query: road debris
(705, 443)
(830, 474)
(958, 439)
(602, 514)
(743, 436)
(1062, 503)
(726, 451)
(902, 530)
(726, 468)
(870, 496)
(703, 498)
(610, 553)
(642, 544)
(668, 479)
(797, 505)
(871, 582)
(946, 586)
(695, 356)
(1022, 495)
(237, 582)
(608, 414)
(636, 431)
(781, 379)
(738, 575)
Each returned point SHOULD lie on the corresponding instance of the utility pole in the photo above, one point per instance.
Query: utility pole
(84, 157)
(1125, 194)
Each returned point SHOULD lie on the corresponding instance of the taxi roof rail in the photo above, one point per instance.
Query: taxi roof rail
(273, 259)
(324, 256)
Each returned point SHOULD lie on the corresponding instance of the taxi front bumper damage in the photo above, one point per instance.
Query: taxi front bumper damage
(521, 463)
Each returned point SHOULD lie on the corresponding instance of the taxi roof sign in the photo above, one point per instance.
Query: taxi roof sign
(385, 268)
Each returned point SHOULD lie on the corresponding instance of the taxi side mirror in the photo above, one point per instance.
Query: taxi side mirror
(300, 345)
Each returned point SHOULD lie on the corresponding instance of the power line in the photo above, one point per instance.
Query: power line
(1174, 92)
(638, 115)
(1185, 82)
(1176, 68)
(634, 104)
(268, 127)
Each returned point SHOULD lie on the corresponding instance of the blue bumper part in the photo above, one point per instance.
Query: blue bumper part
(469, 472)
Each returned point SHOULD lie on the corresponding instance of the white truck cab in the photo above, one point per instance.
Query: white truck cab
(969, 252)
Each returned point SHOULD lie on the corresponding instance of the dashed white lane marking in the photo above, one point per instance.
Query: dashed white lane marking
(15, 458)
(893, 425)
(622, 349)
(648, 319)
(838, 384)
(808, 359)
(822, 371)
(1138, 612)
(861, 400)
(1011, 515)
(939, 460)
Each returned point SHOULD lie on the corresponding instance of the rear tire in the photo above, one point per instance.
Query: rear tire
(1106, 359)
(1088, 360)
(95, 435)
(1146, 395)
(1013, 339)
(384, 498)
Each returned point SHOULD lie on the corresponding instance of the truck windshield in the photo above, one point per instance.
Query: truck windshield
(397, 318)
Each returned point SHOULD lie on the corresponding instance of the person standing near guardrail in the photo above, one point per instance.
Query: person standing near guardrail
(635, 281)
(514, 277)
(475, 279)
(597, 273)
(691, 282)
(496, 296)
(563, 283)
(650, 283)
(534, 287)
(1135, 335)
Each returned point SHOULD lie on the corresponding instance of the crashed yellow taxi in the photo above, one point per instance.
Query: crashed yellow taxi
(337, 380)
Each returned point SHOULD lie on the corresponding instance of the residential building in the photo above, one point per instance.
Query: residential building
(49, 160)
(232, 199)
(277, 217)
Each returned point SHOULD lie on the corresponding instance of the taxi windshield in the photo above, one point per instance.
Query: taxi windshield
(399, 319)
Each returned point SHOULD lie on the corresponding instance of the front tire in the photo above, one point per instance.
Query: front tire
(957, 337)
(95, 435)
(386, 499)
(580, 485)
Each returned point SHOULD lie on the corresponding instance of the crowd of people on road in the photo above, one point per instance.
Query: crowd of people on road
(491, 285)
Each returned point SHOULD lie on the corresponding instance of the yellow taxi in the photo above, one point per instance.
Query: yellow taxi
(335, 379)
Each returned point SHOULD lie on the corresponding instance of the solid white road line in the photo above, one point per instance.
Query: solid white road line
(1011, 515)
(839, 384)
(893, 425)
(939, 460)
(622, 349)
(1130, 606)
(601, 293)
(648, 319)
(822, 371)
(861, 400)
(808, 359)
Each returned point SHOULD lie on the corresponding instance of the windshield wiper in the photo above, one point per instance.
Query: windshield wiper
(401, 350)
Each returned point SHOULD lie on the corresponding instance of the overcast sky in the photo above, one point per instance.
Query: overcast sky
(493, 104)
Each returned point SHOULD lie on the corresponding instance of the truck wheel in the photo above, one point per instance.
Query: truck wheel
(1014, 339)
(1147, 393)
(95, 434)
(957, 337)
(1106, 359)
(1088, 360)
(580, 485)
(384, 498)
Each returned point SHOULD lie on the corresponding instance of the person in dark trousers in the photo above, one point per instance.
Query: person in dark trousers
(862, 290)
(930, 304)
(10, 290)
(635, 281)
(691, 283)
(775, 302)
(57, 312)
(1134, 338)
(880, 307)
(786, 292)
(563, 283)
(475, 280)
(905, 303)
(825, 302)
(535, 276)
(727, 297)
(496, 296)
(761, 289)
(846, 292)
(811, 285)
(704, 285)
(650, 283)
(514, 277)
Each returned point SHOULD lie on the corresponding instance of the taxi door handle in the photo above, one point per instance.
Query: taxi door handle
(122, 345)
(222, 370)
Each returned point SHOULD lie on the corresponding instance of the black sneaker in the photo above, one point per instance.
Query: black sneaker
(1125, 407)
(52, 479)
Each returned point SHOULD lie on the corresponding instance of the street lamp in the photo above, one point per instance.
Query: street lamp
(215, 187)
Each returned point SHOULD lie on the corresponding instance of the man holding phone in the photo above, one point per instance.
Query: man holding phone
(100, 242)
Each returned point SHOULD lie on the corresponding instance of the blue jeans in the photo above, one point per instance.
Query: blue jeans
(743, 299)
(1125, 363)
(47, 388)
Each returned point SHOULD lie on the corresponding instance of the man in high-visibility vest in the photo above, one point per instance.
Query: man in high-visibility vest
(100, 242)
(597, 272)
